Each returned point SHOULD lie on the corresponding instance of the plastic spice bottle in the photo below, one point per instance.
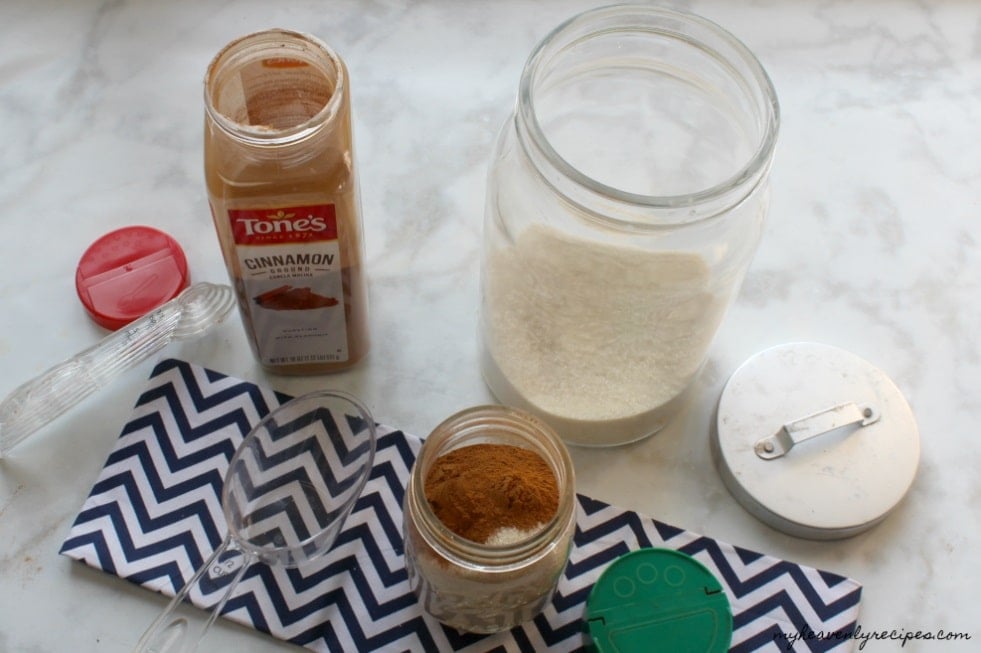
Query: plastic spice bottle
(283, 190)
(487, 587)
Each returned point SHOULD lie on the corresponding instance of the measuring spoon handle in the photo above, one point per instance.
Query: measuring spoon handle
(170, 632)
(40, 400)
(45, 397)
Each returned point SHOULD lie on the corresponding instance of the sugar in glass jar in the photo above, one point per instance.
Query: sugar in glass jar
(626, 197)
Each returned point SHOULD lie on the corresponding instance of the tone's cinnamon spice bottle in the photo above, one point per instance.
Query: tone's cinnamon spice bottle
(283, 190)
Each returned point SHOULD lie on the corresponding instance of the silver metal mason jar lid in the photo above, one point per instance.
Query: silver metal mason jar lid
(815, 441)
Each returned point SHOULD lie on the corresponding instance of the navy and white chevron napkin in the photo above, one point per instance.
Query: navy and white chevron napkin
(154, 515)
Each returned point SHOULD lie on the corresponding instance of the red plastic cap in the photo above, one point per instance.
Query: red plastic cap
(129, 272)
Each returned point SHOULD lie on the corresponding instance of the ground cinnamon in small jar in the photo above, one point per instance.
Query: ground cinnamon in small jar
(492, 493)
(489, 515)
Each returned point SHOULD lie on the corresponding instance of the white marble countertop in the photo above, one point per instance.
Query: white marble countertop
(869, 246)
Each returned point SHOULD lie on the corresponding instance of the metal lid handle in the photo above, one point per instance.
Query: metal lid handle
(805, 428)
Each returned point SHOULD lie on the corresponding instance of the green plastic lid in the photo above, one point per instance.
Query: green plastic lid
(657, 600)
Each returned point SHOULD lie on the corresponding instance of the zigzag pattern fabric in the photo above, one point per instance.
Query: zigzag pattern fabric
(154, 515)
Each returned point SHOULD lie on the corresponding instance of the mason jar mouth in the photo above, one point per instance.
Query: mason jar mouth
(658, 43)
(287, 48)
(499, 425)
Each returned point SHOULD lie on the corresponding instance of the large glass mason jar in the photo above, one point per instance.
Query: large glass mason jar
(626, 197)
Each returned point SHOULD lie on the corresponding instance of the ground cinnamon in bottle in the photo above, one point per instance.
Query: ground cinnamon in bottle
(283, 189)
(492, 493)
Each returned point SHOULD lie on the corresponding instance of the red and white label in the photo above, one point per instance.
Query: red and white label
(290, 264)
(295, 224)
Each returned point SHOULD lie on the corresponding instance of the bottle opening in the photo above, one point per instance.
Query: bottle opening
(272, 84)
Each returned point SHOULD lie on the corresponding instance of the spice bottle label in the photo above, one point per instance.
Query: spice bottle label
(290, 265)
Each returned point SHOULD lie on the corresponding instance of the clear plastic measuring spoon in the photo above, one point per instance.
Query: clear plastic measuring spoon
(42, 399)
(287, 491)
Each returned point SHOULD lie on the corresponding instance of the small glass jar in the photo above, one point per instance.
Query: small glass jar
(625, 200)
(282, 185)
(484, 588)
